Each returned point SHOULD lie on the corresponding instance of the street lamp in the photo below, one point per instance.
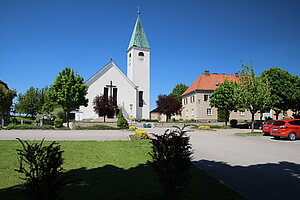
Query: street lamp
(131, 109)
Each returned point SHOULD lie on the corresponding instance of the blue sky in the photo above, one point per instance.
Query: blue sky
(40, 38)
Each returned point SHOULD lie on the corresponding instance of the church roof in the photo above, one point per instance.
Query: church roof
(107, 67)
(138, 37)
(207, 81)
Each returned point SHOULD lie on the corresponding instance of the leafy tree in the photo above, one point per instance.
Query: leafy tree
(48, 105)
(172, 155)
(178, 91)
(253, 93)
(68, 90)
(31, 102)
(6, 100)
(104, 106)
(280, 82)
(224, 98)
(168, 105)
(221, 115)
(295, 97)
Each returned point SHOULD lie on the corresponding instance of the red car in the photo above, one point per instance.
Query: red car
(266, 129)
(288, 128)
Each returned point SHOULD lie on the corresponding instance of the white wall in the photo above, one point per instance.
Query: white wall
(138, 71)
(126, 92)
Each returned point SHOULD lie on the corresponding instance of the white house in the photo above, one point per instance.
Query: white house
(131, 91)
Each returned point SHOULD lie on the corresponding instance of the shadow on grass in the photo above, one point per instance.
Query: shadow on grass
(110, 182)
(262, 181)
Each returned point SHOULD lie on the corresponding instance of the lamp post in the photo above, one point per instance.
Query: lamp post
(198, 110)
(130, 105)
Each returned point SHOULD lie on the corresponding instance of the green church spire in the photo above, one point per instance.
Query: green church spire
(138, 37)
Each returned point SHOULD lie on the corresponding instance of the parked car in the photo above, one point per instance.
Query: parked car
(257, 124)
(288, 128)
(266, 129)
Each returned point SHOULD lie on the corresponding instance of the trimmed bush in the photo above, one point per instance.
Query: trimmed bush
(47, 127)
(172, 159)
(204, 127)
(132, 128)
(58, 122)
(20, 126)
(220, 127)
(27, 126)
(141, 134)
(122, 122)
(41, 167)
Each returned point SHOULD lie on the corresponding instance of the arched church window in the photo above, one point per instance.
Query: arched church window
(130, 55)
(141, 54)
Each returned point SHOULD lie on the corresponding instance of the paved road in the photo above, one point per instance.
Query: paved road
(256, 166)
(65, 135)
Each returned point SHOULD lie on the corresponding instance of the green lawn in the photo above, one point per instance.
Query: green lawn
(255, 133)
(107, 170)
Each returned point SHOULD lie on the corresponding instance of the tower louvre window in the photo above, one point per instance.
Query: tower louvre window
(141, 54)
(130, 55)
(141, 99)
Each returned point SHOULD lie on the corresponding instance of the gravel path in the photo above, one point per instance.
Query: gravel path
(65, 135)
(76, 135)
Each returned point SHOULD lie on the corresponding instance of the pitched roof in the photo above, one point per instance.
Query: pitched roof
(102, 71)
(208, 81)
(138, 37)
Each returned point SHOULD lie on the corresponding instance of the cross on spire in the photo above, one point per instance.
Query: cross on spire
(138, 12)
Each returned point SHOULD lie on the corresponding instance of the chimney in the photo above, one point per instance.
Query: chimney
(206, 72)
(236, 74)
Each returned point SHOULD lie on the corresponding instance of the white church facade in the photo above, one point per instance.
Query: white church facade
(131, 92)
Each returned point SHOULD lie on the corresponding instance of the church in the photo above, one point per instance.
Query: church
(131, 91)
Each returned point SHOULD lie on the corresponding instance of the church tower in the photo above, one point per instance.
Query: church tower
(138, 68)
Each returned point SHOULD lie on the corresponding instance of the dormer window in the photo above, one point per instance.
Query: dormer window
(141, 54)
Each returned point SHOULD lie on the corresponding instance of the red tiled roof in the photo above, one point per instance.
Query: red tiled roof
(209, 82)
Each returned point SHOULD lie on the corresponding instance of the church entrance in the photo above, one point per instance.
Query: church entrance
(113, 95)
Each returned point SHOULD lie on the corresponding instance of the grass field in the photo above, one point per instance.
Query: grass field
(107, 170)
(255, 133)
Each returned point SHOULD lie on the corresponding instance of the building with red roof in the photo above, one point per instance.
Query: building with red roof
(195, 100)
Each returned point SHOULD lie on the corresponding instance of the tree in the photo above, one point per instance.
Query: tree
(280, 82)
(178, 91)
(295, 97)
(224, 98)
(253, 93)
(32, 101)
(168, 105)
(104, 106)
(6, 100)
(68, 90)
